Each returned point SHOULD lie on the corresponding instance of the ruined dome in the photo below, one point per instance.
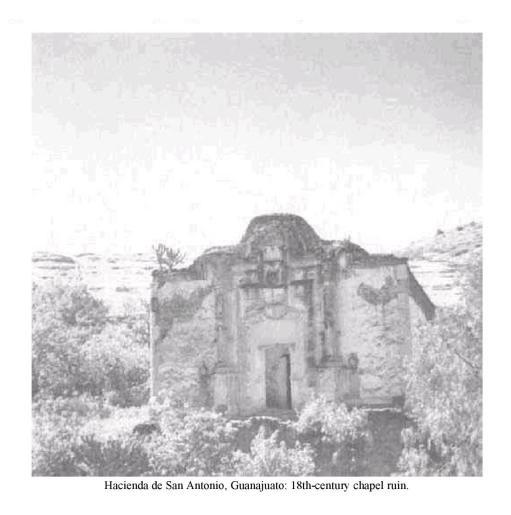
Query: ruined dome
(281, 230)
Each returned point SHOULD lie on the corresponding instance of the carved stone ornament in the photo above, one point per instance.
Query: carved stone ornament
(353, 361)
(276, 311)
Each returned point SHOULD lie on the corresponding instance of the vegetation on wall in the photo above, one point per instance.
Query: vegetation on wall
(187, 351)
(181, 307)
(168, 258)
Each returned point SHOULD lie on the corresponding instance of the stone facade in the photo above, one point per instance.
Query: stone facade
(261, 326)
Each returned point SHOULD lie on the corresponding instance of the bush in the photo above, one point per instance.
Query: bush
(55, 428)
(64, 316)
(62, 448)
(120, 456)
(339, 435)
(268, 457)
(75, 350)
(67, 303)
(444, 390)
(79, 406)
(61, 453)
(116, 365)
(192, 443)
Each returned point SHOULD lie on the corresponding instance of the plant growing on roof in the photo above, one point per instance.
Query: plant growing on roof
(167, 257)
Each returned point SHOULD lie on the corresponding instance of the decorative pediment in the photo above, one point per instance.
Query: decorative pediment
(270, 310)
(276, 311)
(268, 274)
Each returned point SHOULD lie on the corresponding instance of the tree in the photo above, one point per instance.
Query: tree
(64, 317)
(76, 350)
(444, 389)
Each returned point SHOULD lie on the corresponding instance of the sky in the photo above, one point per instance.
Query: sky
(182, 139)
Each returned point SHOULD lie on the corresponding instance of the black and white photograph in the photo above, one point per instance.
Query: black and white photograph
(257, 255)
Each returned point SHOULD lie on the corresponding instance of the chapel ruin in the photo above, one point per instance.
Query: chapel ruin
(260, 326)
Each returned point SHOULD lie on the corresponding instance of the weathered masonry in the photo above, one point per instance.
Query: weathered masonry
(263, 325)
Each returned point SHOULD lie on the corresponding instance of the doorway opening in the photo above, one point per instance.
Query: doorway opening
(278, 378)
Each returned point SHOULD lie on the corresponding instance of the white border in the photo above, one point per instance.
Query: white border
(48, 495)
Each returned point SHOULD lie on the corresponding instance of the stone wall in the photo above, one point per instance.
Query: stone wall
(282, 316)
(346, 337)
(183, 339)
(374, 327)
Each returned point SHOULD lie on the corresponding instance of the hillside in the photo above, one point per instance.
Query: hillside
(121, 280)
(439, 261)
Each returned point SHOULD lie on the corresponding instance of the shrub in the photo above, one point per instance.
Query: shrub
(62, 453)
(268, 457)
(339, 435)
(69, 303)
(64, 316)
(444, 390)
(62, 448)
(192, 443)
(120, 456)
(75, 350)
(55, 429)
(80, 406)
(117, 366)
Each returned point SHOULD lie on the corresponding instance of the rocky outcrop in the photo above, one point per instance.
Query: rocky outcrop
(439, 262)
(122, 281)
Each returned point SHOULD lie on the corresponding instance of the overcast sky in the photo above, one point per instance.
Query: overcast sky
(184, 138)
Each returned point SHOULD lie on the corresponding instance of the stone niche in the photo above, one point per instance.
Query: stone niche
(284, 315)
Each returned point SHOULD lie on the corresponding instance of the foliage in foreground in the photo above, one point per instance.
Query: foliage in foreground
(61, 447)
(444, 394)
(77, 350)
(199, 442)
(192, 442)
(85, 368)
(339, 435)
(269, 457)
